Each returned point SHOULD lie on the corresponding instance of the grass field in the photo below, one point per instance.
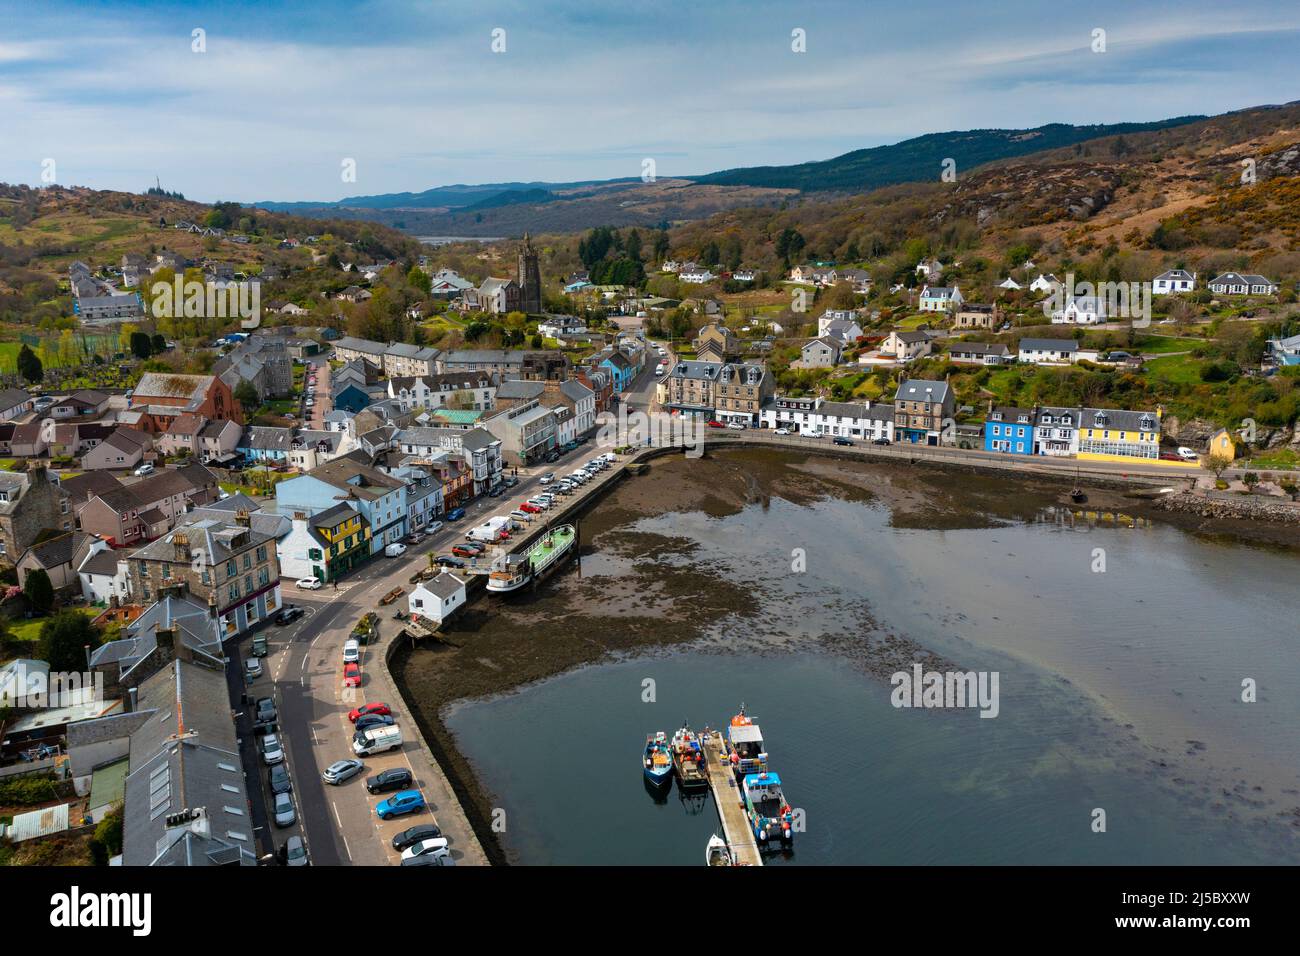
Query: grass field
(1175, 370)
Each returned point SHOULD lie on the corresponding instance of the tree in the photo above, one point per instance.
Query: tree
(64, 639)
(246, 394)
(1219, 464)
(141, 346)
(789, 244)
(29, 366)
(38, 590)
(1250, 480)
(159, 343)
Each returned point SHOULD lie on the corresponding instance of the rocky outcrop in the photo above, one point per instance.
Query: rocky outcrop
(1240, 507)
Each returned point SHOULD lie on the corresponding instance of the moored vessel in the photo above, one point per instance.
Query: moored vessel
(657, 762)
(745, 745)
(717, 853)
(688, 759)
(770, 817)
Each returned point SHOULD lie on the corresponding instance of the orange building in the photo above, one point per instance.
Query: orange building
(162, 397)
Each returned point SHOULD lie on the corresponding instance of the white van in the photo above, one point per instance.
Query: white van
(376, 740)
(351, 652)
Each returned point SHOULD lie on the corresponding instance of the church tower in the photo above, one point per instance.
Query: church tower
(530, 279)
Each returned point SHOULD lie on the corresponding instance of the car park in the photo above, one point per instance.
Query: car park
(394, 550)
(277, 779)
(283, 809)
(386, 781)
(294, 852)
(455, 514)
(435, 846)
(272, 752)
(309, 584)
(252, 669)
(376, 707)
(351, 651)
(341, 770)
(416, 834)
(374, 720)
(351, 675)
(288, 614)
(408, 801)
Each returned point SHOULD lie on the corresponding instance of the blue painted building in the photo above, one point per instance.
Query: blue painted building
(265, 443)
(622, 370)
(380, 498)
(352, 398)
(1010, 431)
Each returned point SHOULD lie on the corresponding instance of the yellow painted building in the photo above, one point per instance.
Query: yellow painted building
(1116, 434)
(1222, 445)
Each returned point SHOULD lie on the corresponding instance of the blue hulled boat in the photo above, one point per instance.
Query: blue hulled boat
(657, 762)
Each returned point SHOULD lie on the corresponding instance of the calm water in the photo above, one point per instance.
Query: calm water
(1119, 690)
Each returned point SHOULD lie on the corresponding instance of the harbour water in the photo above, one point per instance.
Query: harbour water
(1121, 654)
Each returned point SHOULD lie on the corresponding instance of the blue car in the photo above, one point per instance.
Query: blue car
(455, 514)
(407, 801)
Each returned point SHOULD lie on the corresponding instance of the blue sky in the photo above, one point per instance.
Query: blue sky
(115, 94)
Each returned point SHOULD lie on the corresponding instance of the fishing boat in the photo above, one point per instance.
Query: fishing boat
(657, 763)
(745, 745)
(689, 760)
(1077, 494)
(770, 817)
(718, 853)
(510, 572)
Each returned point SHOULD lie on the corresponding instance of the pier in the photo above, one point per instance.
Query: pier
(726, 797)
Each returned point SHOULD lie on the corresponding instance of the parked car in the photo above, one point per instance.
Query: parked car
(531, 509)
(882, 440)
(394, 550)
(510, 481)
(309, 584)
(715, 424)
(272, 752)
(738, 426)
(284, 812)
(408, 801)
(430, 859)
(464, 551)
(278, 779)
(448, 561)
(1188, 454)
(539, 503)
(496, 492)
(782, 431)
(435, 847)
(416, 834)
(264, 711)
(351, 651)
(547, 478)
(351, 675)
(374, 720)
(415, 537)
(433, 527)
(289, 613)
(520, 515)
(295, 852)
(376, 707)
(386, 781)
(553, 457)
(841, 440)
(252, 668)
(145, 469)
(455, 514)
(341, 770)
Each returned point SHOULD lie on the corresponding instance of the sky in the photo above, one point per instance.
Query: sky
(271, 101)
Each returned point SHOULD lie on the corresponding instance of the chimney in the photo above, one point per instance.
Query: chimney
(133, 697)
(181, 542)
(242, 518)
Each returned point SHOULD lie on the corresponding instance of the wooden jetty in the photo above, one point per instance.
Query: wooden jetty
(726, 797)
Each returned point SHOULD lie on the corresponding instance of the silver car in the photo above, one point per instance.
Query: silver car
(341, 770)
(295, 853)
(272, 752)
(284, 812)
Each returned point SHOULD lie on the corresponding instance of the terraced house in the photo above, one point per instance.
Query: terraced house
(325, 546)
(228, 564)
(920, 409)
(1114, 434)
(741, 392)
(379, 498)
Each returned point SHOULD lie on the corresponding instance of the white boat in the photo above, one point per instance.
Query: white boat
(509, 572)
(718, 853)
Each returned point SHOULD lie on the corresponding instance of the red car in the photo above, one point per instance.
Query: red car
(375, 708)
(716, 424)
(531, 509)
(351, 675)
(464, 551)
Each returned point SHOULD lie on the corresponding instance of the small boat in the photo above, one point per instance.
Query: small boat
(745, 744)
(689, 760)
(770, 817)
(1076, 493)
(718, 853)
(657, 763)
(509, 572)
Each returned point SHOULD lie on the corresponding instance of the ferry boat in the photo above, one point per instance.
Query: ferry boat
(745, 745)
(510, 572)
(689, 760)
(657, 762)
(770, 817)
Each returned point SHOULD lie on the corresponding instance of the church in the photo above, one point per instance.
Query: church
(522, 294)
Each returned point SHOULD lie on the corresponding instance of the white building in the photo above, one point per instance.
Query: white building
(1046, 284)
(103, 575)
(1082, 310)
(1175, 280)
(816, 416)
(438, 599)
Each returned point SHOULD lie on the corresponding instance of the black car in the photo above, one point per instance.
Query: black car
(366, 721)
(447, 561)
(425, 831)
(841, 440)
(289, 614)
(497, 492)
(396, 778)
(881, 441)
(553, 457)
(278, 778)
